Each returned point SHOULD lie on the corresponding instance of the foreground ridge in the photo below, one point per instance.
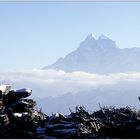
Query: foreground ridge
(20, 119)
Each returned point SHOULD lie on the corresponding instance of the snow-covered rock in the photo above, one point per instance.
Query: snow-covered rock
(5, 89)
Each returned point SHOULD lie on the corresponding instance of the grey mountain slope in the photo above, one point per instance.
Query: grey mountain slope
(99, 56)
(107, 95)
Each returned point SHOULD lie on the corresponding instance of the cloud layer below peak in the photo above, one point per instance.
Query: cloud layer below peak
(55, 83)
(79, 87)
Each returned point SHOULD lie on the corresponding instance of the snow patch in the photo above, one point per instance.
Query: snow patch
(18, 114)
(5, 89)
(103, 37)
(90, 37)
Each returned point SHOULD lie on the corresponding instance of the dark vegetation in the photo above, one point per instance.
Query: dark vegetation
(20, 119)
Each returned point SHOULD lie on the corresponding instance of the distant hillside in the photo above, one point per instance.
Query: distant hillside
(99, 56)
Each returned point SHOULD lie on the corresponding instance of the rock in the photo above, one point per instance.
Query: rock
(4, 120)
(21, 105)
(14, 95)
(60, 126)
(5, 89)
(61, 133)
(17, 114)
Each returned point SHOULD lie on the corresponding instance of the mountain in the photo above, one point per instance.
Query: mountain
(99, 56)
(124, 93)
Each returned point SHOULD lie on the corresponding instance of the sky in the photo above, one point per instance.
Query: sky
(36, 34)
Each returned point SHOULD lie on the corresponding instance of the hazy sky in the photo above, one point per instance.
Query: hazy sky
(35, 34)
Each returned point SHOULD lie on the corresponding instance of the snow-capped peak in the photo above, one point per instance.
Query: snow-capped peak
(93, 36)
(90, 36)
(103, 37)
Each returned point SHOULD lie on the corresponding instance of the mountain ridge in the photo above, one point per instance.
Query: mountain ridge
(100, 55)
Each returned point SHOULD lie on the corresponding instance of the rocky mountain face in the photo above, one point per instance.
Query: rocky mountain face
(99, 56)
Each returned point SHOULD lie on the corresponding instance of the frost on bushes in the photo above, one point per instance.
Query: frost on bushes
(20, 119)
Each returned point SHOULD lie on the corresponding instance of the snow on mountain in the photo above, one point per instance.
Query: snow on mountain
(90, 37)
(103, 37)
(99, 56)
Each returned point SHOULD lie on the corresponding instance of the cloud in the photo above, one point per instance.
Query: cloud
(55, 83)
(66, 90)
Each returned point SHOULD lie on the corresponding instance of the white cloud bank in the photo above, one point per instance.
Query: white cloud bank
(56, 83)
(112, 88)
